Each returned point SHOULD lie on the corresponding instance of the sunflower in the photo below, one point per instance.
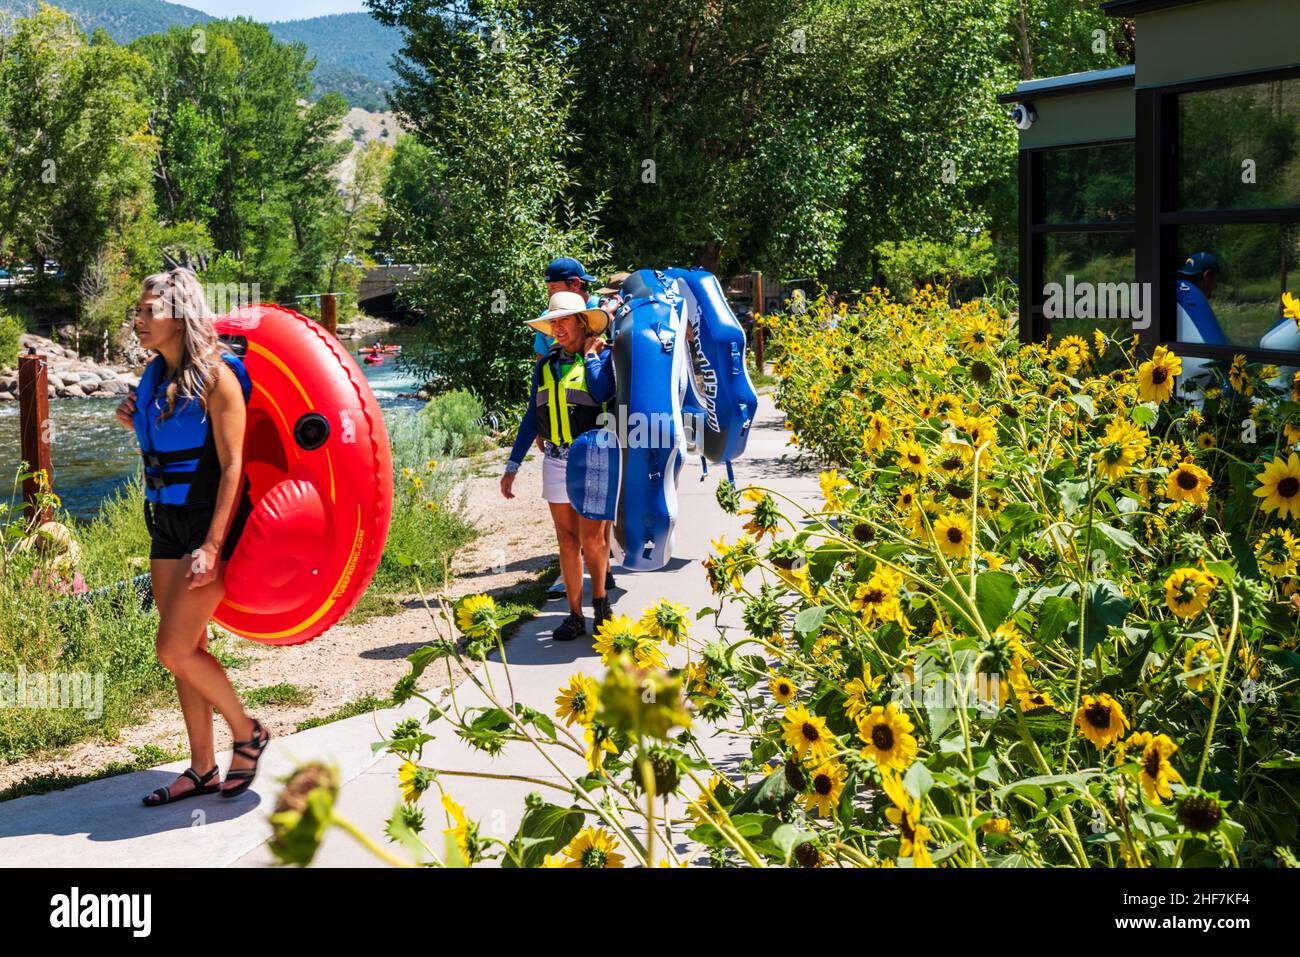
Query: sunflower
(807, 734)
(1276, 551)
(1122, 445)
(1187, 591)
(464, 831)
(1189, 483)
(1239, 377)
(1199, 662)
(888, 736)
(1156, 376)
(593, 847)
(1291, 307)
(876, 433)
(877, 599)
(1279, 487)
(1157, 772)
(825, 785)
(599, 741)
(666, 621)
(952, 533)
(857, 690)
(906, 498)
(979, 336)
(766, 520)
(782, 688)
(414, 781)
(476, 616)
(578, 701)
(617, 635)
(911, 458)
(906, 813)
(831, 483)
(1101, 719)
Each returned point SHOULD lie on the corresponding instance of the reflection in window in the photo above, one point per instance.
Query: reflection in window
(1230, 136)
(1092, 184)
(1258, 263)
(1089, 282)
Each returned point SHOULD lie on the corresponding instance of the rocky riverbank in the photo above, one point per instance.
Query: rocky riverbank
(70, 375)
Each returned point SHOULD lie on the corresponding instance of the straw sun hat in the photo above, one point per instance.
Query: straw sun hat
(570, 304)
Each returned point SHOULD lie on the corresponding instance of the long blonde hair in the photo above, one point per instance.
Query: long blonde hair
(183, 297)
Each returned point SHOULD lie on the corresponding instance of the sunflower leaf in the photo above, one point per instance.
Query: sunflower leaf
(544, 830)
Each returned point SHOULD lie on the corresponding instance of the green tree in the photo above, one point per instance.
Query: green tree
(485, 204)
(74, 163)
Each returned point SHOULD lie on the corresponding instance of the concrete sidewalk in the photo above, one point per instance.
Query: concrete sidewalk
(103, 824)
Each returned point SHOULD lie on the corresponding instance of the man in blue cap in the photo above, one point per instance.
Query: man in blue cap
(566, 274)
(1198, 277)
(1196, 319)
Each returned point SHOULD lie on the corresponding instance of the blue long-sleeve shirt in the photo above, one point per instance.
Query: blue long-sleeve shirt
(599, 371)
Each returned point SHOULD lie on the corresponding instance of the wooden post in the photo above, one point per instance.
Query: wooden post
(329, 313)
(757, 287)
(33, 419)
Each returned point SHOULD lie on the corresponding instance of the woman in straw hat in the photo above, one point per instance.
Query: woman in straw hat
(571, 385)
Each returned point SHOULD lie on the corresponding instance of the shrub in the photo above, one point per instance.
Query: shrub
(455, 416)
(429, 498)
(10, 331)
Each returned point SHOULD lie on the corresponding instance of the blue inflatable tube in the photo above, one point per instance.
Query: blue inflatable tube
(634, 463)
(720, 390)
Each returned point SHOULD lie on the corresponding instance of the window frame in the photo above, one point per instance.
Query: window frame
(1034, 326)
(1157, 182)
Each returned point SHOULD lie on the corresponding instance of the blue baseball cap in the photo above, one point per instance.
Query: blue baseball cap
(566, 267)
(1198, 263)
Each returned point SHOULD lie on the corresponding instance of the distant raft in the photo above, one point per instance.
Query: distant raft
(318, 461)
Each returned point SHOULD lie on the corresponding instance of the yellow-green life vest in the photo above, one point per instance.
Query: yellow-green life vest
(562, 422)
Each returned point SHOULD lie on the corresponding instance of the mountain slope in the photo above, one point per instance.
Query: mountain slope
(352, 51)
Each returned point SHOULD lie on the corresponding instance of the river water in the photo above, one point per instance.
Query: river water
(92, 455)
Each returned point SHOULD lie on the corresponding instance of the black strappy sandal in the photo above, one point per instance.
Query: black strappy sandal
(161, 796)
(258, 742)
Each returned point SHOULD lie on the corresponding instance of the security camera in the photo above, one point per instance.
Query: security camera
(1023, 116)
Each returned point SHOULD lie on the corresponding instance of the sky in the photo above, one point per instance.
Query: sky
(271, 10)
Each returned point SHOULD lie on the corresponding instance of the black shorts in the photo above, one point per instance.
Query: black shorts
(177, 530)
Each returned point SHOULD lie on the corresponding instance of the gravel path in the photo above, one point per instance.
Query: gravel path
(350, 662)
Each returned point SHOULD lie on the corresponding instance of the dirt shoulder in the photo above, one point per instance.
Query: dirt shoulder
(350, 662)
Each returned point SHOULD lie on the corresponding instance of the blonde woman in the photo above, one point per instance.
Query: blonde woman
(190, 426)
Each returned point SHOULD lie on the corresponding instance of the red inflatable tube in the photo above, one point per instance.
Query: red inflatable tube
(318, 461)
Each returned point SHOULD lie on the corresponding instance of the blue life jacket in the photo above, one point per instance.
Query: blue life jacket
(181, 465)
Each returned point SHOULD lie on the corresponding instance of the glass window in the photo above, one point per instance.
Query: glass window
(1091, 184)
(1089, 282)
(1258, 262)
(1239, 147)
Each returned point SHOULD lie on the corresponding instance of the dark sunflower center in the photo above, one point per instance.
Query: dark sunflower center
(1288, 487)
(1158, 376)
(822, 784)
(1187, 481)
(914, 458)
(955, 535)
(1151, 763)
(1097, 715)
(873, 597)
(810, 733)
(882, 737)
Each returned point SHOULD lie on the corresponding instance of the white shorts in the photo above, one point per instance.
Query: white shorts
(554, 488)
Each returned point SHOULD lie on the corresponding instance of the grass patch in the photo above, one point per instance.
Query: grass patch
(526, 601)
(145, 757)
(373, 604)
(350, 710)
(282, 695)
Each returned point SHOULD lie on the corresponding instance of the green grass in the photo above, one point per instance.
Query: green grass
(373, 604)
(526, 601)
(146, 756)
(350, 710)
(282, 695)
